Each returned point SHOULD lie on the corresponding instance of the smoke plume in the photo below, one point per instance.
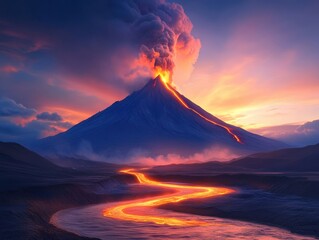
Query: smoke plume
(163, 31)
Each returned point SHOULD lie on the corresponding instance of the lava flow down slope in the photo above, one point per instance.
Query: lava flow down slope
(156, 120)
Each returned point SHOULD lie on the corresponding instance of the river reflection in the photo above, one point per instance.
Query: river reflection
(90, 222)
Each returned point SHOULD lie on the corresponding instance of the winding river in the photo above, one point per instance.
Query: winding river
(140, 219)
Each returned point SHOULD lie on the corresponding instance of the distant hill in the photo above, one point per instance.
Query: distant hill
(15, 154)
(305, 159)
(290, 159)
(21, 167)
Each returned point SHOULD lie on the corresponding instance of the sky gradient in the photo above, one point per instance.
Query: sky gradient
(258, 61)
(255, 62)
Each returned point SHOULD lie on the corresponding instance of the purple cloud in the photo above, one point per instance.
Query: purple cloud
(21, 124)
(296, 135)
(9, 108)
(54, 117)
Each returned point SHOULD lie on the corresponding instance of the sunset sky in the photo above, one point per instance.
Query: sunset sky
(255, 61)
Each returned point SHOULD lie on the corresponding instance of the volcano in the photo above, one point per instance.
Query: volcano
(156, 120)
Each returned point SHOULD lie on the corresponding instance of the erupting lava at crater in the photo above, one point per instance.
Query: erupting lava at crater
(164, 75)
(123, 211)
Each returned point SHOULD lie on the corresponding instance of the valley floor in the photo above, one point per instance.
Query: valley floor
(286, 202)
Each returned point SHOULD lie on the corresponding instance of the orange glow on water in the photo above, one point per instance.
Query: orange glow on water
(164, 76)
(182, 192)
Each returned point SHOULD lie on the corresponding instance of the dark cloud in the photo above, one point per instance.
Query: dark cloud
(306, 134)
(9, 108)
(297, 135)
(30, 131)
(309, 127)
(31, 127)
(10, 131)
(55, 117)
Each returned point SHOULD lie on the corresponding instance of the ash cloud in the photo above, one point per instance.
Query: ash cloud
(164, 31)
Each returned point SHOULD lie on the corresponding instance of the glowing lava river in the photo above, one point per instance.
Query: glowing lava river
(183, 192)
(142, 219)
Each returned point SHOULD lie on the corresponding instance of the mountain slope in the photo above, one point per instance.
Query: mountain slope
(155, 120)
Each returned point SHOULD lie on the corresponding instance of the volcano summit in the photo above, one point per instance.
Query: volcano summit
(156, 120)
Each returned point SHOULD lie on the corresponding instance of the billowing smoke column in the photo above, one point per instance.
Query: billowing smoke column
(163, 31)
